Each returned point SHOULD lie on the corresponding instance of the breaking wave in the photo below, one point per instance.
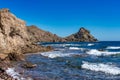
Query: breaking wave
(101, 53)
(55, 54)
(90, 44)
(110, 69)
(11, 72)
(112, 47)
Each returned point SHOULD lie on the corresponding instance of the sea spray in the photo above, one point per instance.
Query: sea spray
(55, 54)
(113, 47)
(11, 72)
(110, 69)
(101, 53)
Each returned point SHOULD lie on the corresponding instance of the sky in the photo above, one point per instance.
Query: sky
(65, 17)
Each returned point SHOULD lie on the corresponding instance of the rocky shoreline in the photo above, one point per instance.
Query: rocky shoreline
(14, 42)
(17, 39)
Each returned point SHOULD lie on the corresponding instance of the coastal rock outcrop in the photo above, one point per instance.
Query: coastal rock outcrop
(82, 35)
(14, 35)
(39, 35)
(14, 41)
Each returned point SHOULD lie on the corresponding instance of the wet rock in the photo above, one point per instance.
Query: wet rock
(101, 50)
(29, 65)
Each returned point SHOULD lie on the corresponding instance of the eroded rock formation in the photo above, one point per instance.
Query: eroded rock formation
(82, 35)
(14, 41)
(14, 34)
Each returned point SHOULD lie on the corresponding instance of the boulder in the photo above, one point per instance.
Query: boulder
(29, 65)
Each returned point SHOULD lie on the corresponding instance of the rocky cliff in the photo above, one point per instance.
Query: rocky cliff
(14, 37)
(14, 41)
(39, 35)
(13, 32)
(82, 35)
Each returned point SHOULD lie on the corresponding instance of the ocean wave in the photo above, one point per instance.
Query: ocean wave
(112, 47)
(101, 53)
(11, 72)
(90, 44)
(110, 69)
(75, 48)
(55, 54)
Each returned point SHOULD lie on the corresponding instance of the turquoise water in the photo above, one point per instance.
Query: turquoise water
(77, 61)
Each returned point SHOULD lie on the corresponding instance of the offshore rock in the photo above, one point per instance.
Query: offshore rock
(82, 35)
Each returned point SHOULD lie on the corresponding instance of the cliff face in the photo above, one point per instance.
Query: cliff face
(14, 41)
(14, 37)
(81, 35)
(13, 32)
(37, 35)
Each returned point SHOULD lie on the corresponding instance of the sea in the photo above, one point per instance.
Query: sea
(77, 61)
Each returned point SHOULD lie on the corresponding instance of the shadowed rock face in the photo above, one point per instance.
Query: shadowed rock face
(81, 35)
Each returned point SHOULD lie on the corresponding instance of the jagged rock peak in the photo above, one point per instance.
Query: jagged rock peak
(83, 30)
(82, 35)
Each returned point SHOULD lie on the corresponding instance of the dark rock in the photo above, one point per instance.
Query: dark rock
(29, 65)
(101, 50)
(82, 35)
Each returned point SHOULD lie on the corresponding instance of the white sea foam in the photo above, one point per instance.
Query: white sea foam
(101, 53)
(112, 47)
(90, 44)
(110, 69)
(55, 54)
(74, 48)
(14, 74)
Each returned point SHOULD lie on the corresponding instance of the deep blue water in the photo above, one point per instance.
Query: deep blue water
(77, 61)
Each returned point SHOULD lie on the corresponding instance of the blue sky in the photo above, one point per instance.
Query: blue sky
(64, 17)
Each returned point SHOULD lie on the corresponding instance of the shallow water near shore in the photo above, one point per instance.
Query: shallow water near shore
(77, 61)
